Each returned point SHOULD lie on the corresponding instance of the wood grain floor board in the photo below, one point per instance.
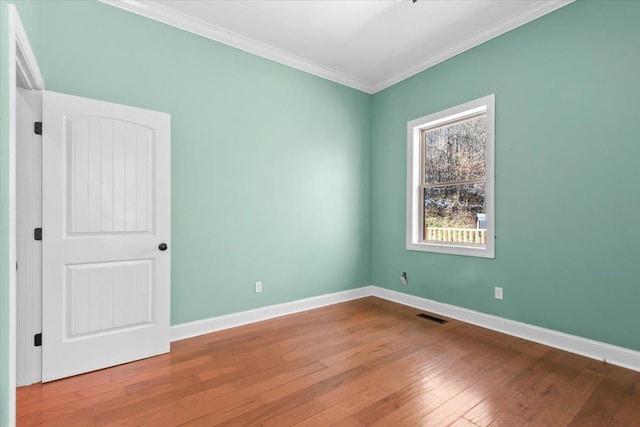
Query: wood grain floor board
(465, 392)
(509, 420)
(362, 363)
(295, 415)
(275, 408)
(603, 404)
(553, 416)
(496, 400)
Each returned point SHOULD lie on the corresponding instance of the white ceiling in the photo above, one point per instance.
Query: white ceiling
(368, 45)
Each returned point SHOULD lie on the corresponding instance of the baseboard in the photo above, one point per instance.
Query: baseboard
(214, 324)
(593, 349)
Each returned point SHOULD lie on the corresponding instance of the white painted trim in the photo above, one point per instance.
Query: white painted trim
(214, 324)
(197, 26)
(26, 64)
(414, 218)
(213, 32)
(29, 255)
(14, 21)
(507, 24)
(593, 349)
(21, 61)
(615, 355)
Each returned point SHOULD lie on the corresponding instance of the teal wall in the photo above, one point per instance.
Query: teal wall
(567, 195)
(31, 16)
(270, 165)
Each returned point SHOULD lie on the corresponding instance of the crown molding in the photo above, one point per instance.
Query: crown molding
(204, 29)
(197, 26)
(505, 25)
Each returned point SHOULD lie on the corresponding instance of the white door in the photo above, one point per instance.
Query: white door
(106, 227)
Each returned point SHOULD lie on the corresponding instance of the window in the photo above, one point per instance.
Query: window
(450, 180)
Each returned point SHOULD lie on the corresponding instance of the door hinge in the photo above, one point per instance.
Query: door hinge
(37, 340)
(37, 233)
(37, 128)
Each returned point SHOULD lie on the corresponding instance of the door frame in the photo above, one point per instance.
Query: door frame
(29, 255)
(23, 68)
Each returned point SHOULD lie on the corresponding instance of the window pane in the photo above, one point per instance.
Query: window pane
(455, 214)
(456, 152)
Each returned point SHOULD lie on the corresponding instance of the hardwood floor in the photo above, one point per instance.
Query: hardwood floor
(362, 363)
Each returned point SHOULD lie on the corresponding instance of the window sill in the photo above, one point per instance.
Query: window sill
(453, 249)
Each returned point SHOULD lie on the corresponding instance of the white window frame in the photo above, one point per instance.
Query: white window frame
(415, 217)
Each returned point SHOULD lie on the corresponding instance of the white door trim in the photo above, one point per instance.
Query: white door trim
(29, 255)
(23, 67)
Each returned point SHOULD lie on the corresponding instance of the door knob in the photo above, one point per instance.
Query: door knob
(163, 246)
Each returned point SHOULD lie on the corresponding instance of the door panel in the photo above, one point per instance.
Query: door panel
(106, 209)
(109, 177)
(107, 296)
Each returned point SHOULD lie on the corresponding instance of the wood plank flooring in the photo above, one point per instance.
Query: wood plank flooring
(367, 362)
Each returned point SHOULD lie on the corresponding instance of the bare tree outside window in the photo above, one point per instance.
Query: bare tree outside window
(450, 180)
(454, 174)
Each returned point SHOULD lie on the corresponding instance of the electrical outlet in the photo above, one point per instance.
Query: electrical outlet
(258, 287)
(498, 292)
